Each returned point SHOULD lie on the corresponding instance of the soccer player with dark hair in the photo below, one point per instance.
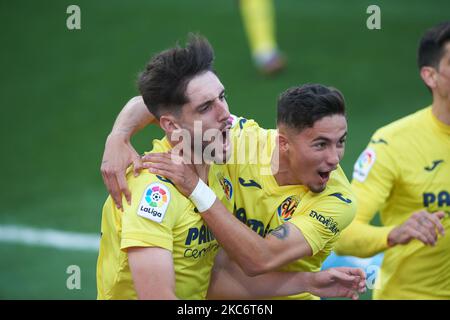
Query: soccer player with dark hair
(154, 249)
(159, 246)
(404, 173)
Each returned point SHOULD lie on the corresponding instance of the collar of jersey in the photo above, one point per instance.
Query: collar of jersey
(161, 145)
(271, 186)
(437, 124)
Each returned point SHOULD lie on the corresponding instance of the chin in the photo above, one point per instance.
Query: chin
(220, 157)
(318, 188)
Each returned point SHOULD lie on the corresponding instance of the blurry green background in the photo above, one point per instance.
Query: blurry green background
(62, 89)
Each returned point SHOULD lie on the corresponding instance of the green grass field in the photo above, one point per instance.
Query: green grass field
(62, 89)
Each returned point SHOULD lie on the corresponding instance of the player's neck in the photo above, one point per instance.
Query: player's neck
(280, 169)
(284, 178)
(441, 110)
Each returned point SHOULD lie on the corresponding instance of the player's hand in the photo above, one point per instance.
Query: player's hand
(341, 282)
(422, 225)
(174, 168)
(118, 155)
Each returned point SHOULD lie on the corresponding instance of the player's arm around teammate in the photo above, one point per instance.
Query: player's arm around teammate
(119, 153)
(229, 281)
(254, 254)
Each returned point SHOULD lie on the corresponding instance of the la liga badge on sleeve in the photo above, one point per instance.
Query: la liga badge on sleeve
(154, 202)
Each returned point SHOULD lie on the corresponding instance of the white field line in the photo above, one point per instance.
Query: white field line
(90, 242)
(49, 238)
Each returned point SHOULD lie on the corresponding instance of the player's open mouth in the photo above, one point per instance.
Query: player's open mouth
(325, 175)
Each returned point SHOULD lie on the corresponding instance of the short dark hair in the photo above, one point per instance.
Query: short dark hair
(431, 46)
(164, 81)
(300, 107)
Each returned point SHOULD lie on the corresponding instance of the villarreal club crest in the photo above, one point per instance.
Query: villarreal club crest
(287, 208)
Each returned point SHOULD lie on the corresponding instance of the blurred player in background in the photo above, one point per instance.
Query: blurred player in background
(405, 175)
(259, 23)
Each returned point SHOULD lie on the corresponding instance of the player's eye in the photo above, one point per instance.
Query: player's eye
(223, 96)
(320, 145)
(204, 108)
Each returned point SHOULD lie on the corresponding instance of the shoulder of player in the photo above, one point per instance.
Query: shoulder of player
(338, 180)
(156, 198)
(337, 203)
(335, 196)
(250, 142)
(146, 179)
(334, 210)
(399, 130)
(241, 124)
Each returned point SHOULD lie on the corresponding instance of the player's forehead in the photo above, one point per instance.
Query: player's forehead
(331, 128)
(203, 87)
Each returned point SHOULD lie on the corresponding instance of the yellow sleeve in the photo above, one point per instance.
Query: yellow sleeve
(149, 221)
(241, 124)
(245, 143)
(373, 177)
(251, 144)
(324, 219)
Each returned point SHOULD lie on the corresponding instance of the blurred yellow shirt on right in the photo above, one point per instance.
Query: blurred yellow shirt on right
(405, 168)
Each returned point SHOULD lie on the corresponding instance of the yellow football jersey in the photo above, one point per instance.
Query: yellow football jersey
(405, 168)
(159, 216)
(264, 205)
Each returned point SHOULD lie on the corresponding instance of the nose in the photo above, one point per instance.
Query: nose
(333, 157)
(222, 109)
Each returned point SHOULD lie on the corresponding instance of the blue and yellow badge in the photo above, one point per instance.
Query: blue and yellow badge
(226, 186)
(287, 208)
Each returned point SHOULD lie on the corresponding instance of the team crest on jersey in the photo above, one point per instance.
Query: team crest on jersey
(226, 186)
(364, 164)
(154, 202)
(287, 208)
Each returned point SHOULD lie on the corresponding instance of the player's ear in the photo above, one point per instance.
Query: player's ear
(168, 123)
(428, 75)
(283, 142)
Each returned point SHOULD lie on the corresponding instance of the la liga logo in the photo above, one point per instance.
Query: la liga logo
(154, 202)
(364, 164)
(366, 159)
(156, 196)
